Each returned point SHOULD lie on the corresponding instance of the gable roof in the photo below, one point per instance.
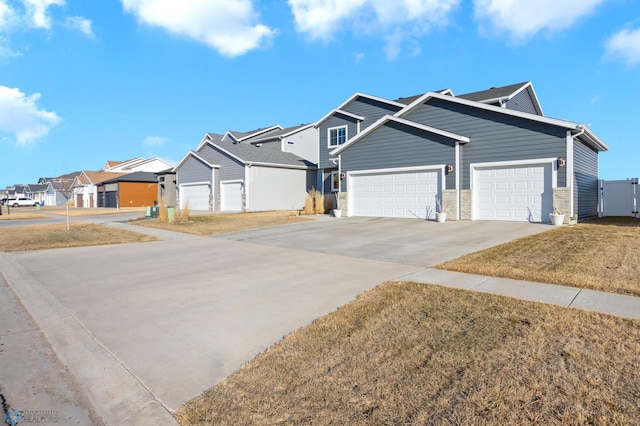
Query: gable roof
(197, 155)
(110, 165)
(408, 100)
(279, 134)
(577, 129)
(264, 155)
(94, 177)
(241, 136)
(387, 118)
(499, 95)
(145, 177)
(356, 95)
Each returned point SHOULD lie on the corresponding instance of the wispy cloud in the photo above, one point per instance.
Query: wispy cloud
(399, 22)
(21, 117)
(37, 12)
(229, 26)
(154, 140)
(522, 19)
(80, 24)
(625, 45)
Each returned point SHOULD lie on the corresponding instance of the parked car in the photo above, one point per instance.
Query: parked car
(22, 201)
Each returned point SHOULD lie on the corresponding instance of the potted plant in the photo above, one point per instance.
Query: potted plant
(441, 216)
(337, 212)
(557, 218)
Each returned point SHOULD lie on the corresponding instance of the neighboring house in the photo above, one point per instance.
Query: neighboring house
(61, 189)
(85, 187)
(138, 189)
(246, 171)
(489, 155)
(137, 165)
(39, 191)
(299, 140)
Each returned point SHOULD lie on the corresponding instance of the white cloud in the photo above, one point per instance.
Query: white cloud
(228, 26)
(81, 24)
(400, 21)
(37, 11)
(154, 140)
(20, 116)
(522, 19)
(625, 44)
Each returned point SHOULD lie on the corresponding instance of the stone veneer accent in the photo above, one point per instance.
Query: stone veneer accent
(562, 202)
(342, 203)
(466, 201)
(450, 203)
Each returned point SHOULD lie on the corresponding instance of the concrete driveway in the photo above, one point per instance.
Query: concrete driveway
(405, 241)
(146, 327)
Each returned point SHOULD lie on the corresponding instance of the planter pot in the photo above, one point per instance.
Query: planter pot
(441, 217)
(337, 213)
(556, 219)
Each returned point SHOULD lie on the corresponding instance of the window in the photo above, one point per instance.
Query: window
(337, 135)
(335, 181)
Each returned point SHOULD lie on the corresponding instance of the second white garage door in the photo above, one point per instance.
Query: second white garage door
(231, 196)
(514, 193)
(197, 196)
(410, 194)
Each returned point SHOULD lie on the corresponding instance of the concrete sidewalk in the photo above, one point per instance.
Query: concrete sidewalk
(571, 297)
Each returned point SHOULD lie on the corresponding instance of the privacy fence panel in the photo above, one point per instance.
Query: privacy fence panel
(618, 198)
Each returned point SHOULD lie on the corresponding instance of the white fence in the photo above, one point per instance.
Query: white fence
(618, 198)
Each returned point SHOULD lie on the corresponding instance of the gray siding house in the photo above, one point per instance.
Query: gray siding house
(492, 158)
(342, 124)
(230, 173)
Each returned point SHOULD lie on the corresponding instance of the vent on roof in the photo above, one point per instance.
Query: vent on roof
(258, 145)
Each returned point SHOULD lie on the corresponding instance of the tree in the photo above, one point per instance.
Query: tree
(65, 188)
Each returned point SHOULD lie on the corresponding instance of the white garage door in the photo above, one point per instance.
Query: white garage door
(398, 194)
(520, 193)
(231, 196)
(196, 195)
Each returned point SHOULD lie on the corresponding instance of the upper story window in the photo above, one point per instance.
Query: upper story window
(337, 136)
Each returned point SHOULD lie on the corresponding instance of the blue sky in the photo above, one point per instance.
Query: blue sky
(83, 82)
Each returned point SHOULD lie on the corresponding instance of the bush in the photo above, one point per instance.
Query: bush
(182, 215)
(314, 203)
(163, 215)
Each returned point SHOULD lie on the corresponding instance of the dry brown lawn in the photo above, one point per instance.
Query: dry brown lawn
(79, 212)
(599, 255)
(408, 353)
(16, 214)
(220, 223)
(56, 236)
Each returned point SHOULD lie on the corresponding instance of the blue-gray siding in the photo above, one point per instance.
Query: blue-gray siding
(494, 136)
(230, 168)
(370, 109)
(193, 170)
(522, 102)
(396, 145)
(335, 121)
(585, 172)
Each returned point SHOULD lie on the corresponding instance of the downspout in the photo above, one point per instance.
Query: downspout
(570, 167)
(457, 171)
(246, 186)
